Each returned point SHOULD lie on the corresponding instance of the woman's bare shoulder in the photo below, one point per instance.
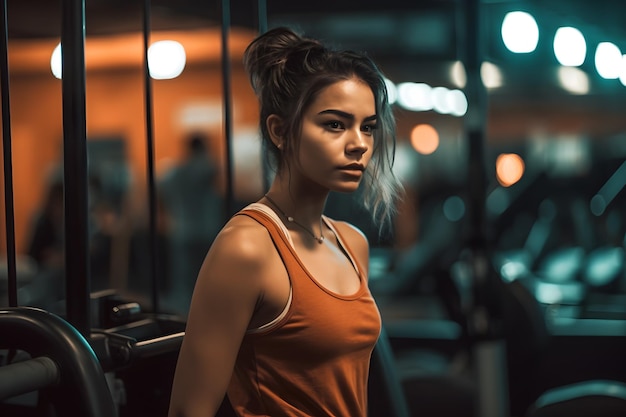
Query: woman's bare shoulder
(236, 263)
(242, 239)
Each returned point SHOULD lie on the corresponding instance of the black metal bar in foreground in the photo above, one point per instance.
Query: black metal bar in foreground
(7, 158)
(152, 206)
(75, 166)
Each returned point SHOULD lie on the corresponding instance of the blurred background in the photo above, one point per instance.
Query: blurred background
(524, 153)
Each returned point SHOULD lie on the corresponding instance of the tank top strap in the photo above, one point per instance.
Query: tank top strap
(345, 247)
(278, 231)
(272, 216)
(279, 236)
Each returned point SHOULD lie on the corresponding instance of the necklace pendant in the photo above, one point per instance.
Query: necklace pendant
(320, 239)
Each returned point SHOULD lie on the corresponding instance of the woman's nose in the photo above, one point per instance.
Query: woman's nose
(358, 143)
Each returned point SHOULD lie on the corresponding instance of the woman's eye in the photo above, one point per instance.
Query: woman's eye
(370, 128)
(334, 125)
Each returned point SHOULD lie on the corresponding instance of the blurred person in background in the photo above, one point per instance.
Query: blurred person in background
(194, 207)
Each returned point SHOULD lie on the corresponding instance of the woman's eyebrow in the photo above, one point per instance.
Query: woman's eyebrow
(346, 115)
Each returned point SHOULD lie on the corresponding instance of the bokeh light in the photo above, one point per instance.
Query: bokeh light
(520, 32)
(509, 169)
(424, 139)
(166, 59)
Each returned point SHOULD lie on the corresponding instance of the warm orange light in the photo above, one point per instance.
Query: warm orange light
(424, 139)
(126, 50)
(509, 169)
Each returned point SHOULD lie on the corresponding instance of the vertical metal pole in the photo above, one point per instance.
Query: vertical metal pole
(150, 159)
(262, 27)
(485, 317)
(75, 166)
(475, 121)
(226, 82)
(7, 158)
(262, 15)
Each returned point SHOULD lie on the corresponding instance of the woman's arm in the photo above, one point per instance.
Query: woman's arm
(227, 291)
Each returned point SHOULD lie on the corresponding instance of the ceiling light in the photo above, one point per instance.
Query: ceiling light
(56, 64)
(570, 48)
(608, 60)
(520, 32)
(166, 59)
(415, 96)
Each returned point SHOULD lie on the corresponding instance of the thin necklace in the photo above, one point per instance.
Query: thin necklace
(290, 219)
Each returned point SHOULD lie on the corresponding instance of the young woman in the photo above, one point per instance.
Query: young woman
(281, 318)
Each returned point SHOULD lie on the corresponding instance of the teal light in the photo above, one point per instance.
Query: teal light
(608, 60)
(570, 47)
(520, 32)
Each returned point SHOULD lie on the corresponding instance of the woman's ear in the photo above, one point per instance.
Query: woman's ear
(275, 129)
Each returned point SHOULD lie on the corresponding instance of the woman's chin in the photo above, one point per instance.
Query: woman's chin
(347, 187)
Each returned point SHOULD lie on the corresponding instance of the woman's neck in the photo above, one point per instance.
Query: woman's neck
(304, 207)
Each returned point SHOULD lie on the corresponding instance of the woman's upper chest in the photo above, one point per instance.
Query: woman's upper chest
(329, 264)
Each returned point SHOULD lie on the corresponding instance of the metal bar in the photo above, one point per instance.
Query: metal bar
(613, 185)
(226, 93)
(27, 376)
(262, 15)
(262, 28)
(7, 158)
(83, 387)
(157, 346)
(75, 165)
(475, 119)
(150, 158)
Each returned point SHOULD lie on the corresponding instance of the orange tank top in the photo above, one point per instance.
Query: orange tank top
(314, 361)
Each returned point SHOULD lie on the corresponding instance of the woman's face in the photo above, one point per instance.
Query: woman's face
(338, 136)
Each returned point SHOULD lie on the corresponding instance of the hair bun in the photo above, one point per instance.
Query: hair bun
(265, 59)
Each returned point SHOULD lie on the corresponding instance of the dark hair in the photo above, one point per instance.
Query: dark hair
(287, 72)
